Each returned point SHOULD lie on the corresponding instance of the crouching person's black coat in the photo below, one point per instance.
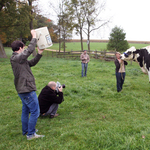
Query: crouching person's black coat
(47, 97)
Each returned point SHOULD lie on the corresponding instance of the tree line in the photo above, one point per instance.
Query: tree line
(17, 18)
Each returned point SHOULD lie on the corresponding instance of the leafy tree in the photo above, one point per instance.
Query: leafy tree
(65, 23)
(42, 21)
(13, 21)
(117, 40)
(86, 16)
(53, 35)
(7, 10)
(76, 10)
(3, 37)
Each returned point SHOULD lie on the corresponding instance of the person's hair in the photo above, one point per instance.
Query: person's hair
(16, 45)
(51, 84)
(117, 53)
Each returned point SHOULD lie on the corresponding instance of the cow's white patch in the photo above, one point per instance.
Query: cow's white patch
(148, 48)
(149, 75)
(130, 50)
(143, 70)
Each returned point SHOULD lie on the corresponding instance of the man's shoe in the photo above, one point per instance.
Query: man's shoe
(43, 115)
(30, 137)
(36, 130)
(52, 116)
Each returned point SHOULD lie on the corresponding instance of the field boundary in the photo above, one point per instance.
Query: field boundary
(106, 41)
(107, 56)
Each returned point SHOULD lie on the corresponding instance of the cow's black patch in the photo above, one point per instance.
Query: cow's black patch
(143, 56)
(128, 53)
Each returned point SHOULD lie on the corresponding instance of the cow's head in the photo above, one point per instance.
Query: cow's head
(130, 54)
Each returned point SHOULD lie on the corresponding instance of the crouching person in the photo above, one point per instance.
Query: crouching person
(49, 100)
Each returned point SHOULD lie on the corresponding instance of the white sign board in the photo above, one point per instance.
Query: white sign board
(43, 38)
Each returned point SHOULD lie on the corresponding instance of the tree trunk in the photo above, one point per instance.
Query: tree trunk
(31, 23)
(64, 40)
(59, 41)
(2, 51)
(88, 41)
(81, 39)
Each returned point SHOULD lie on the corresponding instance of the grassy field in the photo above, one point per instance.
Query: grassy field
(94, 46)
(92, 117)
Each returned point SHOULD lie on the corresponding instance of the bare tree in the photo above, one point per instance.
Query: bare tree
(58, 11)
(64, 22)
(92, 11)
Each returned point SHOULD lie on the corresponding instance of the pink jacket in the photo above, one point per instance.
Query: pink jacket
(85, 58)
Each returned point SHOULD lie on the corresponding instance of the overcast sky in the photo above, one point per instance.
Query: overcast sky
(133, 16)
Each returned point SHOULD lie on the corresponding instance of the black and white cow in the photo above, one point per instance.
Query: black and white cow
(142, 56)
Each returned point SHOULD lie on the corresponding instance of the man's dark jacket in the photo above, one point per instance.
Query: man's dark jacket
(23, 78)
(118, 65)
(47, 97)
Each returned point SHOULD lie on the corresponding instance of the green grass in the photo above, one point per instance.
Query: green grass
(76, 46)
(92, 117)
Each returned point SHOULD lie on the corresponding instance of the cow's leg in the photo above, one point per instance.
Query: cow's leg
(149, 75)
(143, 70)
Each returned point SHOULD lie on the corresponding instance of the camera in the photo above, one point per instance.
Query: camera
(58, 85)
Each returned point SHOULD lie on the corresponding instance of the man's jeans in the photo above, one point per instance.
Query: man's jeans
(52, 109)
(120, 77)
(84, 67)
(30, 105)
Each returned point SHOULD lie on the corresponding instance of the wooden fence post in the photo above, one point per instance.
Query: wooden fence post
(104, 54)
(71, 53)
(96, 54)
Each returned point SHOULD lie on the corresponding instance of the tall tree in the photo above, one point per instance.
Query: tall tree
(66, 25)
(13, 20)
(42, 21)
(94, 21)
(58, 11)
(64, 22)
(31, 19)
(117, 40)
(5, 10)
(76, 10)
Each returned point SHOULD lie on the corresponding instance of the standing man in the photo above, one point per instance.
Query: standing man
(49, 100)
(25, 84)
(85, 59)
(120, 71)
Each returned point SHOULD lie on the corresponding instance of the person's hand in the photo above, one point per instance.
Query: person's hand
(40, 51)
(60, 89)
(119, 61)
(33, 33)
